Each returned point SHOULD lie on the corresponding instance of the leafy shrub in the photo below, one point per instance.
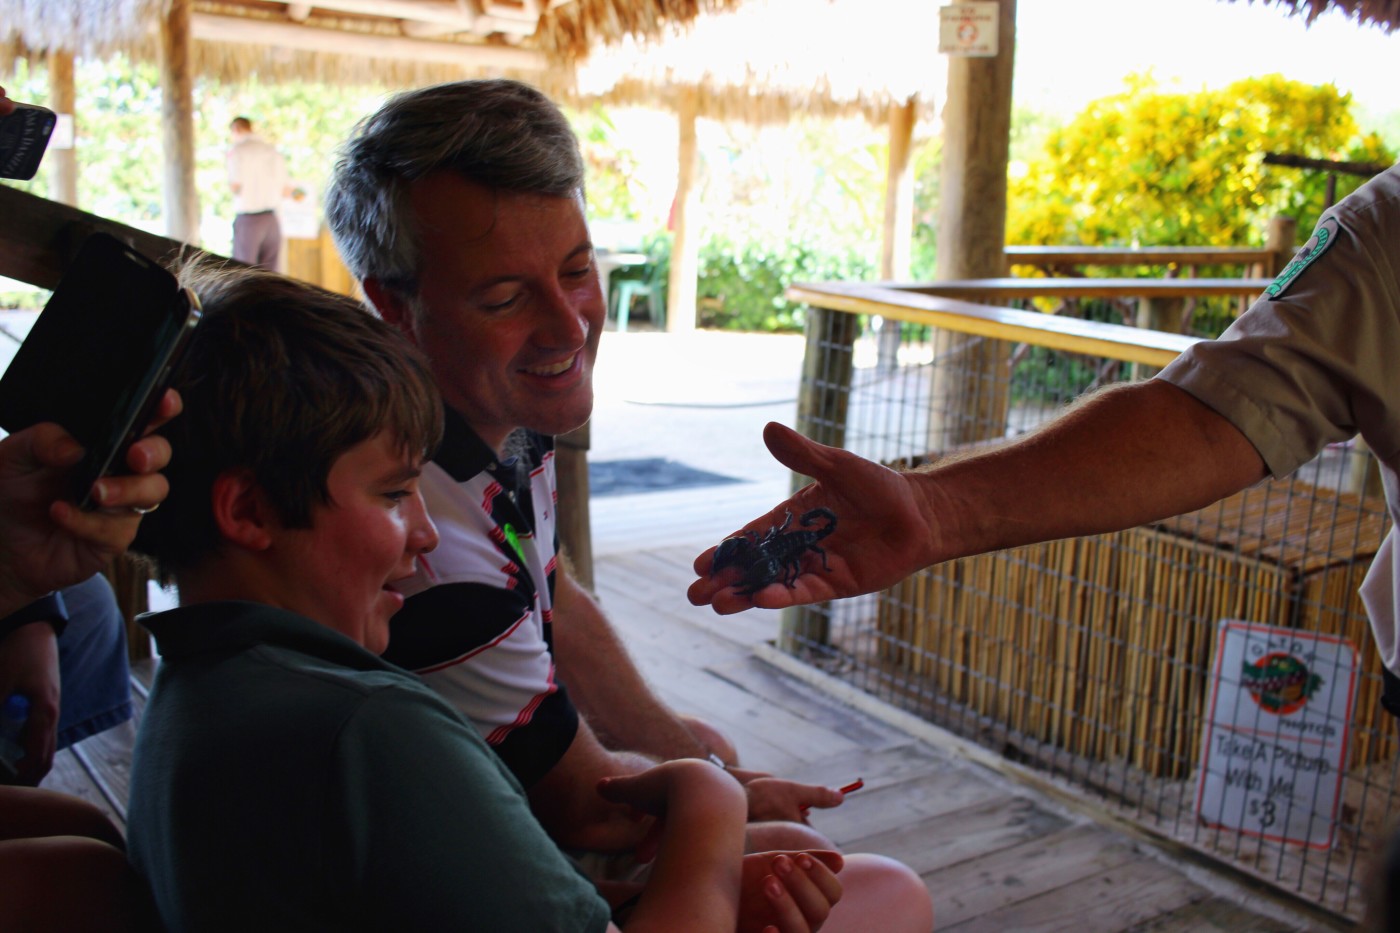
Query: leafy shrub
(742, 285)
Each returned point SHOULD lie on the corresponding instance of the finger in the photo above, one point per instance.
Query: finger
(823, 798)
(51, 446)
(704, 562)
(799, 875)
(823, 867)
(148, 455)
(646, 791)
(143, 491)
(787, 915)
(828, 857)
(728, 601)
(808, 588)
(798, 453)
(812, 886)
(170, 405)
(108, 532)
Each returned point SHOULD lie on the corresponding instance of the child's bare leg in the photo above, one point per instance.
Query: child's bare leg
(879, 893)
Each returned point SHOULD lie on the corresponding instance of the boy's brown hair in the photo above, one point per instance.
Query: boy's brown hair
(281, 379)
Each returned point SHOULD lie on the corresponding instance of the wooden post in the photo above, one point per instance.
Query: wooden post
(1164, 314)
(898, 228)
(822, 402)
(1281, 239)
(685, 244)
(970, 390)
(63, 98)
(575, 526)
(177, 124)
(897, 231)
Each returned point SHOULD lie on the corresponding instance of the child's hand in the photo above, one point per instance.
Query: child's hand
(788, 892)
(656, 790)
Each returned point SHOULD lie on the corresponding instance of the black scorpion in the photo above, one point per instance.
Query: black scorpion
(775, 556)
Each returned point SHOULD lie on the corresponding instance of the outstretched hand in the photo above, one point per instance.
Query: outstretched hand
(773, 798)
(882, 533)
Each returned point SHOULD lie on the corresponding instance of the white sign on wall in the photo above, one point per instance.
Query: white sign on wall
(1276, 734)
(968, 29)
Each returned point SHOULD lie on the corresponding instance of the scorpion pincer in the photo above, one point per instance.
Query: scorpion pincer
(775, 556)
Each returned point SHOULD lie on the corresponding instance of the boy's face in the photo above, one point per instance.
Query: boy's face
(340, 571)
(511, 305)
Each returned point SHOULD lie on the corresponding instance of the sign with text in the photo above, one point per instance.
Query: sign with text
(968, 29)
(1276, 733)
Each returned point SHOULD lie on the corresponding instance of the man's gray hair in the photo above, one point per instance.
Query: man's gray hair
(501, 134)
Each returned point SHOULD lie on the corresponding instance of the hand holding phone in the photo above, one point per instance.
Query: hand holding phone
(100, 355)
(24, 135)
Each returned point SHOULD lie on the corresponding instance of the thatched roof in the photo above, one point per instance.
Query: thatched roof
(1382, 13)
(398, 42)
(747, 59)
(771, 59)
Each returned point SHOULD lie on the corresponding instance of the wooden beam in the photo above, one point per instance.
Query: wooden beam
(434, 17)
(211, 27)
(38, 237)
(177, 123)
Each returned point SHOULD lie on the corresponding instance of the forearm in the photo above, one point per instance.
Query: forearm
(606, 686)
(1125, 456)
(567, 804)
(694, 884)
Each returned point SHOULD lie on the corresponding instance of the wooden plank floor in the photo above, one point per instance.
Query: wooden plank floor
(995, 854)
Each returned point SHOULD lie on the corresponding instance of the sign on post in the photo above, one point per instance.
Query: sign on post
(1276, 734)
(968, 29)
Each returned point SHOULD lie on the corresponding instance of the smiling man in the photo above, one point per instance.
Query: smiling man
(461, 209)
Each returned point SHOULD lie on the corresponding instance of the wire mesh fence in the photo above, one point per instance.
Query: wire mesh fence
(1211, 676)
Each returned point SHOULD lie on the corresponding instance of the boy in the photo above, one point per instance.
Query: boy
(285, 777)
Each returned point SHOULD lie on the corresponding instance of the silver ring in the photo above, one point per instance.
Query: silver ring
(140, 511)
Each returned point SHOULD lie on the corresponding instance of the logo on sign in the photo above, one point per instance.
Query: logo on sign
(1279, 683)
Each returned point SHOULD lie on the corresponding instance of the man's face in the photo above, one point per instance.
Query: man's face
(341, 571)
(510, 309)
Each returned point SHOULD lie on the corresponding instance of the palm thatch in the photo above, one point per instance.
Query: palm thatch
(773, 59)
(1382, 13)
(559, 31)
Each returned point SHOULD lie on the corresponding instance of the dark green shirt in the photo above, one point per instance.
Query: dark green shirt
(285, 778)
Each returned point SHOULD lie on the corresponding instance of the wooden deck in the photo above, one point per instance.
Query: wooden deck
(997, 854)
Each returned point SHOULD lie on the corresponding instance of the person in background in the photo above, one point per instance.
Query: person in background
(257, 175)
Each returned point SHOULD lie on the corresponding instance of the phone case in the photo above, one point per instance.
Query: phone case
(100, 354)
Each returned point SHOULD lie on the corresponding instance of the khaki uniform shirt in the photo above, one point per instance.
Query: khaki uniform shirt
(1317, 360)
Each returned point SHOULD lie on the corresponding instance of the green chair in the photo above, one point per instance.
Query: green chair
(625, 290)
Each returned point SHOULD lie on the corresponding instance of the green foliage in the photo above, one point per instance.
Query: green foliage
(742, 283)
(1149, 168)
(611, 166)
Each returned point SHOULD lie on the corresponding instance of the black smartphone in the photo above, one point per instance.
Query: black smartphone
(24, 134)
(100, 355)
